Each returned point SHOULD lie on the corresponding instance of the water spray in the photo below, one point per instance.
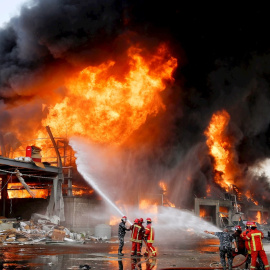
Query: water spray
(94, 185)
(92, 181)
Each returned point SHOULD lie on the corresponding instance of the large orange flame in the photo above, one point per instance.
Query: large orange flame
(148, 206)
(221, 147)
(259, 217)
(107, 104)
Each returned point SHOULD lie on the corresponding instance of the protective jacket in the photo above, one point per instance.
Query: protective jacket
(240, 241)
(247, 241)
(255, 237)
(135, 233)
(141, 233)
(149, 234)
(122, 229)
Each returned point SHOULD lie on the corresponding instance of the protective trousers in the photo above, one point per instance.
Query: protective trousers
(254, 255)
(152, 249)
(136, 248)
(222, 254)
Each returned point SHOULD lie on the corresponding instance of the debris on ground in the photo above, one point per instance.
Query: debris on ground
(38, 229)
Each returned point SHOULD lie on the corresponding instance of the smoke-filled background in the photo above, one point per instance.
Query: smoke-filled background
(202, 62)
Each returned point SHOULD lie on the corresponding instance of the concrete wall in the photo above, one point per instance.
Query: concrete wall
(78, 214)
(216, 203)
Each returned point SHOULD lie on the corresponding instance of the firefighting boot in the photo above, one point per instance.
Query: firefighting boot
(120, 252)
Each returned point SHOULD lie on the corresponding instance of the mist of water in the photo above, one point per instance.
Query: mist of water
(173, 220)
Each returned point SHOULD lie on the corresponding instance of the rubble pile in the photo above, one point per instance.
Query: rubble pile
(38, 229)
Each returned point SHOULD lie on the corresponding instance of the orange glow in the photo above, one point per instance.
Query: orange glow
(163, 186)
(114, 220)
(259, 217)
(16, 190)
(166, 201)
(202, 212)
(81, 191)
(148, 207)
(108, 97)
(250, 197)
(223, 211)
(170, 204)
(208, 191)
(221, 147)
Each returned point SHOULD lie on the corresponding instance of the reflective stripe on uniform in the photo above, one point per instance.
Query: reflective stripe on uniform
(249, 245)
(136, 239)
(253, 239)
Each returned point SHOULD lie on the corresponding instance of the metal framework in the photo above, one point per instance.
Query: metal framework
(8, 164)
(31, 171)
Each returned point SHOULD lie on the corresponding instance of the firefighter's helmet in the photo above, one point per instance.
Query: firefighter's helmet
(238, 228)
(249, 223)
(253, 224)
(136, 221)
(149, 220)
(141, 220)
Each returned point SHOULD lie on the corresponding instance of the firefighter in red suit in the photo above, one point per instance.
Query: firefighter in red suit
(247, 243)
(255, 236)
(149, 236)
(141, 234)
(136, 242)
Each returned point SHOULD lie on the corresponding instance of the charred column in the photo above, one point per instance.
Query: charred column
(56, 198)
(4, 193)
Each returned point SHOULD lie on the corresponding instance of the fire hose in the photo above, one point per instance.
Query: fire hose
(184, 268)
(146, 259)
(203, 268)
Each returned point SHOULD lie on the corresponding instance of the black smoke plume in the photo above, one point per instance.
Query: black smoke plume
(223, 59)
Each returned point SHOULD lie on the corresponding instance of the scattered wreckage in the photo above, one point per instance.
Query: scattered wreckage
(39, 229)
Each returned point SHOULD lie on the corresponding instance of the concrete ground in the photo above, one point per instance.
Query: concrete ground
(102, 255)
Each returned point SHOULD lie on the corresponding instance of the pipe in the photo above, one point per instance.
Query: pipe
(202, 268)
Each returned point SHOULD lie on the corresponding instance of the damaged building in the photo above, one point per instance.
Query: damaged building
(40, 196)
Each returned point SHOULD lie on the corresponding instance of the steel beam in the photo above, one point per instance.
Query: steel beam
(26, 165)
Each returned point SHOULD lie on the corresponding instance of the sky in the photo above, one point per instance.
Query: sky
(9, 9)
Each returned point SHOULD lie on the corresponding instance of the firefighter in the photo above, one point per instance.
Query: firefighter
(225, 247)
(240, 241)
(149, 236)
(255, 236)
(259, 263)
(135, 232)
(247, 244)
(121, 234)
(141, 235)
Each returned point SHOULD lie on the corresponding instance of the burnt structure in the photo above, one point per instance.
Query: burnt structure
(44, 174)
(229, 211)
